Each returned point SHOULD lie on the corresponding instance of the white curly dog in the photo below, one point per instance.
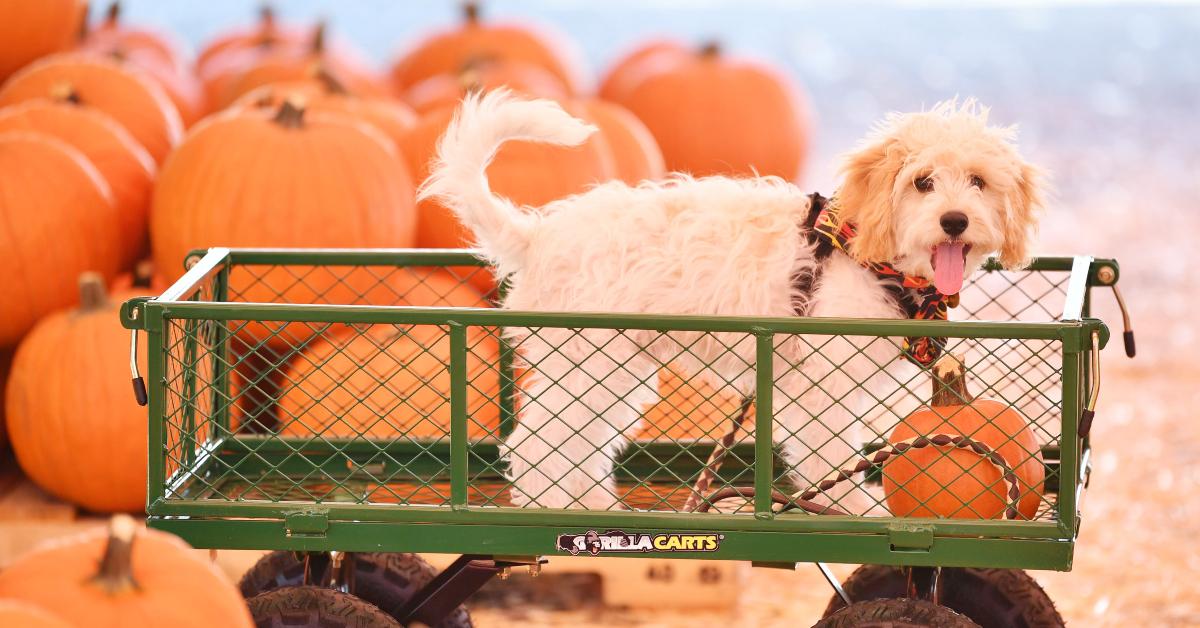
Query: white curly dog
(931, 194)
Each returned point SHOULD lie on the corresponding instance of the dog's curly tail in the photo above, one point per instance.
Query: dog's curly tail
(458, 179)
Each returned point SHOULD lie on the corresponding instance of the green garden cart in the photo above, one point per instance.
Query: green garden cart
(347, 410)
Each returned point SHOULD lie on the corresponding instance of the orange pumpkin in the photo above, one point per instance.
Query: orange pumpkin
(959, 483)
(5, 367)
(443, 90)
(741, 117)
(180, 86)
(267, 33)
(145, 278)
(29, 30)
(24, 615)
(129, 96)
(530, 174)
(290, 63)
(257, 178)
(450, 50)
(324, 93)
(60, 220)
(125, 165)
(112, 34)
(386, 383)
(636, 156)
(688, 408)
(629, 66)
(125, 576)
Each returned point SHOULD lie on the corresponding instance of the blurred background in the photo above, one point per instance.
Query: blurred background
(1105, 96)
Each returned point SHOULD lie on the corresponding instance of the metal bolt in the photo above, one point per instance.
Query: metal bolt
(535, 569)
(504, 573)
(192, 260)
(1106, 275)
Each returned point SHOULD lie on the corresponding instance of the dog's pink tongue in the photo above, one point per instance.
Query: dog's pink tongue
(948, 267)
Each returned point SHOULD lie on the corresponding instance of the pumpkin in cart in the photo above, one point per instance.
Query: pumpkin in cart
(450, 50)
(126, 166)
(125, 576)
(284, 178)
(74, 425)
(29, 30)
(953, 482)
(389, 382)
(131, 97)
(61, 220)
(743, 117)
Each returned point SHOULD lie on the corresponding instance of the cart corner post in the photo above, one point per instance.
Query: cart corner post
(458, 415)
(763, 419)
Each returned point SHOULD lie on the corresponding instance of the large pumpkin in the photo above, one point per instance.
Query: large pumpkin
(72, 419)
(125, 165)
(614, 82)
(943, 481)
(291, 63)
(324, 93)
(527, 79)
(125, 576)
(528, 173)
(130, 97)
(712, 114)
(636, 156)
(450, 50)
(386, 383)
(24, 615)
(29, 30)
(60, 220)
(258, 178)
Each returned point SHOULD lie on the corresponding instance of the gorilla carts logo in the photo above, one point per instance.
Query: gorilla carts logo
(616, 541)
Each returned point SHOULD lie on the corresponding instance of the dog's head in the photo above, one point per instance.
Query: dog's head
(935, 193)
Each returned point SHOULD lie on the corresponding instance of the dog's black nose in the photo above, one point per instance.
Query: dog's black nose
(954, 223)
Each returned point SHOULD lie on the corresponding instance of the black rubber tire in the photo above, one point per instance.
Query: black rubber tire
(387, 580)
(315, 607)
(993, 598)
(895, 613)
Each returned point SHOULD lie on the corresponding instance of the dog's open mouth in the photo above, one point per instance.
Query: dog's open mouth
(949, 265)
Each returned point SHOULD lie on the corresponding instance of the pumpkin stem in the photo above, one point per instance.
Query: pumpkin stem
(113, 15)
(328, 81)
(470, 11)
(266, 17)
(710, 49)
(950, 382)
(143, 274)
(116, 567)
(92, 294)
(317, 47)
(291, 112)
(65, 92)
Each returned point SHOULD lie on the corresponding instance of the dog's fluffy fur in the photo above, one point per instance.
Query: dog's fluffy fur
(713, 246)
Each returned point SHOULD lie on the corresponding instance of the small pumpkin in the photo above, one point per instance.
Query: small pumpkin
(289, 63)
(124, 576)
(284, 178)
(324, 93)
(388, 383)
(126, 166)
(742, 117)
(30, 30)
(61, 220)
(450, 50)
(629, 65)
(181, 86)
(132, 98)
(24, 615)
(959, 483)
(95, 459)
(527, 79)
(268, 32)
(113, 33)
(527, 173)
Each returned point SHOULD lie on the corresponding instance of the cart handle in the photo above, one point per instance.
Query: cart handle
(1089, 412)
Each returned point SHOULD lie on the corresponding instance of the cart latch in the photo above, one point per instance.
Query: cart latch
(910, 537)
(306, 524)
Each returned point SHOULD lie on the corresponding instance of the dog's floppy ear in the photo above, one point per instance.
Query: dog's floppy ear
(1024, 204)
(865, 197)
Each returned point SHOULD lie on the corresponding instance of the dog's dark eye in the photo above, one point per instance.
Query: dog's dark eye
(977, 181)
(924, 184)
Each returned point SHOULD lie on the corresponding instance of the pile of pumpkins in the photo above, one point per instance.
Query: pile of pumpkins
(116, 147)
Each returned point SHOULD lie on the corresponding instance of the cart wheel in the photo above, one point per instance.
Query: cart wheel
(387, 580)
(315, 607)
(895, 613)
(994, 598)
